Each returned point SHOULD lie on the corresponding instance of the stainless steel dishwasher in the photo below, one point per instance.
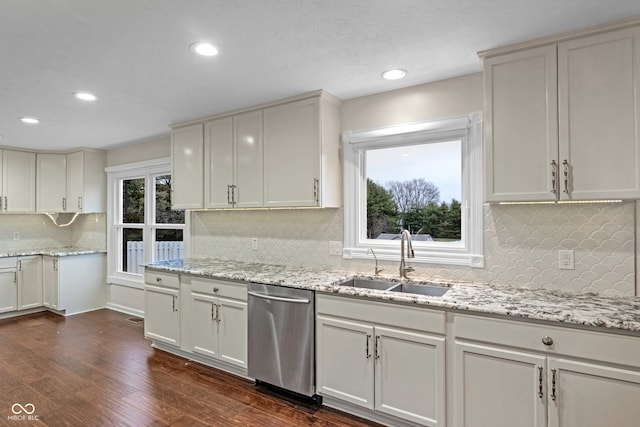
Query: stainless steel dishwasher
(282, 337)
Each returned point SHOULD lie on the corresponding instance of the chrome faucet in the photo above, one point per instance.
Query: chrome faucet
(377, 270)
(404, 269)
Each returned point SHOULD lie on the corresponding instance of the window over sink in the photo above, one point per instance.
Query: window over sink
(422, 177)
(143, 227)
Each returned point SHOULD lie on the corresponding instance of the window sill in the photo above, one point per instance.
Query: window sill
(129, 280)
(445, 257)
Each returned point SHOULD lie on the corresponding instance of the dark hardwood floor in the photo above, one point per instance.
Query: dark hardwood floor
(96, 369)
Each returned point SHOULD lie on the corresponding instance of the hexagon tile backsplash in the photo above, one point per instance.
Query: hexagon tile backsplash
(521, 244)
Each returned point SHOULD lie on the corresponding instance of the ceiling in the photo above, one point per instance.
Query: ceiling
(135, 55)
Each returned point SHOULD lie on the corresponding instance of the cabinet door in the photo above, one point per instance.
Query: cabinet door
(499, 387)
(75, 181)
(50, 282)
(19, 181)
(521, 125)
(51, 190)
(599, 124)
(29, 282)
(187, 176)
(161, 314)
(248, 177)
(8, 290)
(345, 360)
(409, 376)
(232, 332)
(292, 154)
(588, 395)
(204, 325)
(218, 177)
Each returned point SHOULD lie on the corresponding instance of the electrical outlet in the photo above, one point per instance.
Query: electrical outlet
(254, 243)
(16, 235)
(565, 259)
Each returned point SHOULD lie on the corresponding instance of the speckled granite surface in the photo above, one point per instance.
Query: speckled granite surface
(615, 313)
(52, 252)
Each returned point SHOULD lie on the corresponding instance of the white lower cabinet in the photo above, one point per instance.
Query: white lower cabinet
(162, 307)
(75, 283)
(8, 290)
(219, 320)
(29, 275)
(382, 357)
(538, 384)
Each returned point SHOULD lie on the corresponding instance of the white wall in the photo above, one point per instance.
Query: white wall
(156, 148)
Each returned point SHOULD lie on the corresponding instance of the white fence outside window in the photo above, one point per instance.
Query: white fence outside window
(163, 251)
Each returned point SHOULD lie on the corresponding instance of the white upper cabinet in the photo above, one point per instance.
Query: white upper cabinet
(301, 146)
(561, 119)
(233, 166)
(51, 188)
(285, 154)
(521, 124)
(73, 182)
(18, 181)
(187, 174)
(599, 102)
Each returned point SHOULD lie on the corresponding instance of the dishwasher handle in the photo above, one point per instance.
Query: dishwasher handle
(283, 299)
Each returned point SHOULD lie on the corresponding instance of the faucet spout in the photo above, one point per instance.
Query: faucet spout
(404, 269)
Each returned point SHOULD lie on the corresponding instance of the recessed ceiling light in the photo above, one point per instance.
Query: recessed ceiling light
(204, 49)
(29, 120)
(85, 96)
(394, 74)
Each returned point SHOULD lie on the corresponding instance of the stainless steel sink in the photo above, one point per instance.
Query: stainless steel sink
(412, 288)
(380, 285)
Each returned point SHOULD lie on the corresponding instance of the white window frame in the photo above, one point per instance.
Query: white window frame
(467, 129)
(115, 174)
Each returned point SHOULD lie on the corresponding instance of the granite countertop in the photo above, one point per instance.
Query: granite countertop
(65, 251)
(621, 314)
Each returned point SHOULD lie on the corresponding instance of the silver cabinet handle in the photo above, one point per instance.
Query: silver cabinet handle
(64, 203)
(316, 189)
(548, 341)
(553, 384)
(540, 395)
(554, 173)
(283, 299)
(367, 353)
(15, 277)
(565, 163)
(19, 265)
(377, 346)
(218, 313)
(233, 195)
(79, 203)
(6, 205)
(175, 307)
(228, 194)
(212, 316)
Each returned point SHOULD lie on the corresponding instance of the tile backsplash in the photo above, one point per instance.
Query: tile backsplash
(37, 231)
(521, 244)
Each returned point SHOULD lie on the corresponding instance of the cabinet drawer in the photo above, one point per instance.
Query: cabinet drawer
(8, 262)
(381, 313)
(171, 280)
(219, 288)
(612, 348)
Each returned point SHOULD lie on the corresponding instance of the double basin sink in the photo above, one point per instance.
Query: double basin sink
(407, 288)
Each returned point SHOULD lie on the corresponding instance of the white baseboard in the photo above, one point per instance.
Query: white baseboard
(124, 309)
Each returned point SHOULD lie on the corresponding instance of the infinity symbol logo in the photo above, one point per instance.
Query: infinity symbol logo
(18, 409)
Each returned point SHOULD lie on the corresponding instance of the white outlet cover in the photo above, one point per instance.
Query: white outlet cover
(254, 243)
(566, 259)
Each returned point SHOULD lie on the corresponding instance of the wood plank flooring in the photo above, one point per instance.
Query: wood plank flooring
(96, 369)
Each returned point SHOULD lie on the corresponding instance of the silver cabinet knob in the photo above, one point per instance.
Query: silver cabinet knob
(547, 341)
(158, 279)
(215, 289)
